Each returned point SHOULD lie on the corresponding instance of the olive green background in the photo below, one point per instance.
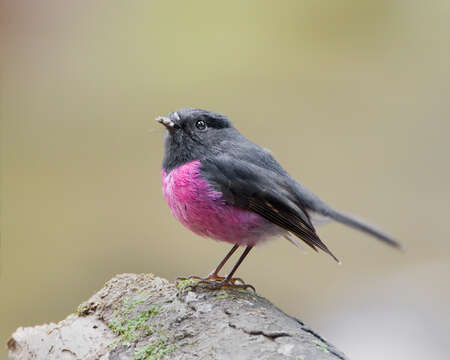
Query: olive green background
(352, 97)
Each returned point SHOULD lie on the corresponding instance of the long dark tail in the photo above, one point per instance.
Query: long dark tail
(361, 225)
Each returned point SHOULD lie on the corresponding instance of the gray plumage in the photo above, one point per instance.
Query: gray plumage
(249, 177)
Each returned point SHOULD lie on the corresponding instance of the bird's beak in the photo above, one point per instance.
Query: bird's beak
(169, 124)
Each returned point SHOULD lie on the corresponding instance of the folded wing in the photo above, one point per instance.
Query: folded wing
(264, 192)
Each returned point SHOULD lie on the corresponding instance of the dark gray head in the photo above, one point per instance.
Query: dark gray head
(192, 134)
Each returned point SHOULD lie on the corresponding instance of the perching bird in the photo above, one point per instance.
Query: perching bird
(221, 185)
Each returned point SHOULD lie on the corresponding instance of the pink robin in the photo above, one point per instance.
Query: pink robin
(221, 185)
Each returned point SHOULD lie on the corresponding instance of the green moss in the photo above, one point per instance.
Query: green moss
(131, 328)
(131, 323)
(86, 308)
(82, 309)
(180, 335)
(245, 291)
(153, 352)
(184, 284)
(129, 305)
(222, 296)
(321, 345)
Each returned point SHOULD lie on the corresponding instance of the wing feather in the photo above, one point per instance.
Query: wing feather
(264, 192)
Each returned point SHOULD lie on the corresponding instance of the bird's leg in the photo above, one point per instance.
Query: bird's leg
(214, 275)
(229, 281)
(235, 267)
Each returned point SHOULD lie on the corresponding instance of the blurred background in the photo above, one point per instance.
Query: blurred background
(352, 97)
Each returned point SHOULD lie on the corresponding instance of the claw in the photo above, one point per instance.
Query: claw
(210, 278)
(230, 284)
(216, 282)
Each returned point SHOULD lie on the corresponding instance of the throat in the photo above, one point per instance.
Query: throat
(177, 155)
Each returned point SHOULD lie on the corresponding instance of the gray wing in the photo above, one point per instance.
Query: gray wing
(246, 152)
(262, 191)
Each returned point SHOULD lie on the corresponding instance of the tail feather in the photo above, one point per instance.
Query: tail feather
(361, 225)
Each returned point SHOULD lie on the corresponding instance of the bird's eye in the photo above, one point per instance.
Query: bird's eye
(201, 125)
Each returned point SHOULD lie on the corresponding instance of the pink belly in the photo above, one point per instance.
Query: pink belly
(203, 211)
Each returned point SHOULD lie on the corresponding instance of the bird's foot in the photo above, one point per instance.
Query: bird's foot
(224, 283)
(212, 282)
(209, 278)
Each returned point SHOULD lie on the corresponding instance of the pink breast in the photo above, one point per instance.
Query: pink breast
(201, 209)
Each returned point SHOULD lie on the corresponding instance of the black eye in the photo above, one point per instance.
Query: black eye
(201, 125)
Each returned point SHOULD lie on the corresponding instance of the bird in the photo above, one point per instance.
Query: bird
(223, 186)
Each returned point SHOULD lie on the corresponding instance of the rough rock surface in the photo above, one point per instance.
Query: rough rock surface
(144, 317)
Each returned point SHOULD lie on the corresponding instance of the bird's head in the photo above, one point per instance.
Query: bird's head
(192, 134)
